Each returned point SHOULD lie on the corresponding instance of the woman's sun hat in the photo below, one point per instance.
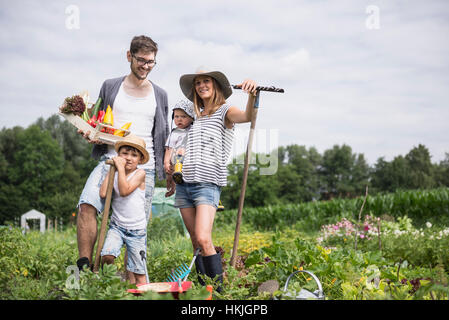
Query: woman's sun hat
(186, 82)
(136, 142)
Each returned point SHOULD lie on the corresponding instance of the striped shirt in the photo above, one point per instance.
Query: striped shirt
(209, 145)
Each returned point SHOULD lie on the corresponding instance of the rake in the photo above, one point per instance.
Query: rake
(182, 272)
(253, 101)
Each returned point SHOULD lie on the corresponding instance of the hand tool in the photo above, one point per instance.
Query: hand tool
(105, 216)
(253, 101)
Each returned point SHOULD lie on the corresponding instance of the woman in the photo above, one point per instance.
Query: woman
(204, 170)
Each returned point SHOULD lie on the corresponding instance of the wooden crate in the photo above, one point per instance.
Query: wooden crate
(95, 133)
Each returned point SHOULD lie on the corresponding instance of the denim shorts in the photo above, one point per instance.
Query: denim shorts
(135, 241)
(190, 195)
(91, 191)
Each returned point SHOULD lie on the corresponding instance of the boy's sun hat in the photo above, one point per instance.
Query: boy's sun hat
(186, 82)
(185, 106)
(136, 142)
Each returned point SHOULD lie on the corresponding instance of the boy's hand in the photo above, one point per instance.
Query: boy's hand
(180, 152)
(119, 162)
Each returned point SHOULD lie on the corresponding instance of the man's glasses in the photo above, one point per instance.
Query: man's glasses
(141, 62)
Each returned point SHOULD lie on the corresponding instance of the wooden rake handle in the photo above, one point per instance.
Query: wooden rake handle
(105, 217)
(253, 101)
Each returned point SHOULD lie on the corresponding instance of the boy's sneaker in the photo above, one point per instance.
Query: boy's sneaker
(81, 262)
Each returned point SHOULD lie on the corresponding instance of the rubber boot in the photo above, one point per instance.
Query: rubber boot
(81, 262)
(200, 269)
(213, 268)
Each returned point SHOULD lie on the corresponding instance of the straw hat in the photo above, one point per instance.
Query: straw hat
(136, 142)
(186, 82)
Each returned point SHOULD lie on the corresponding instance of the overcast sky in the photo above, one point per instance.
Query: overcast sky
(370, 74)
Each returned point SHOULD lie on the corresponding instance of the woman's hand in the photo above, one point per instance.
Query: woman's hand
(249, 86)
(234, 114)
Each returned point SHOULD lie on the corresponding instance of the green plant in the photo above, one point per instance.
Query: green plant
(413, 262)
(419, 205)
(104, 285)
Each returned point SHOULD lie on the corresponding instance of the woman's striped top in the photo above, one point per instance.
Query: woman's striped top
(209, 145)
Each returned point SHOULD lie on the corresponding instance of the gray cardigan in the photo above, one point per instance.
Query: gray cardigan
(160, 131)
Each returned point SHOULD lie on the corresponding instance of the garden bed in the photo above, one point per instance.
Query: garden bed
(412, 263)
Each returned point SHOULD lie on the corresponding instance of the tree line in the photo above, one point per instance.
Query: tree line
(303, 175)
(45, 166)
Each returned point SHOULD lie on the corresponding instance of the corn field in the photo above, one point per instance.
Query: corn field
(420, 205)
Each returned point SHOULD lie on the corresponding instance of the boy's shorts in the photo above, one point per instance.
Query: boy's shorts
(91, 191)
(135, 241)
(190, 195)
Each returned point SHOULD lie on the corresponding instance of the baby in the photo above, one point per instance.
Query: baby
(183, 116)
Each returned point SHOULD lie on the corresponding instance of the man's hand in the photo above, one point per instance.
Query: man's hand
(86, 136)
(171, 186)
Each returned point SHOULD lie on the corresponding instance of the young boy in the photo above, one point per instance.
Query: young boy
(177, 140)
(128, 220)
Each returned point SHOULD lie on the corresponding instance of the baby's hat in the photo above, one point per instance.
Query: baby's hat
(184, 105)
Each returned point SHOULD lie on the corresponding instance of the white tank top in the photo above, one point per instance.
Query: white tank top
(128, 212)
(140, 112)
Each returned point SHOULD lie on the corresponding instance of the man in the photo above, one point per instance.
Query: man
(133, 99)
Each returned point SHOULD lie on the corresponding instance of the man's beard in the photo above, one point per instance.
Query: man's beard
(138, 76)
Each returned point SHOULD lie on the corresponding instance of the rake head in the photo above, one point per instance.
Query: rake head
(179, 273)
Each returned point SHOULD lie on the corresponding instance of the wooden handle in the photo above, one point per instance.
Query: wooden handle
(251, 101)
(104, 219)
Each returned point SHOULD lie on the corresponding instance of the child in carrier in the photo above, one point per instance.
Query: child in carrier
(175, 146)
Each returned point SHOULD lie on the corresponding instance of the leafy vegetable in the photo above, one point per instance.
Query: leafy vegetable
(74, 104)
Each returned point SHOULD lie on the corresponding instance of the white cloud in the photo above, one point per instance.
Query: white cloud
(379, 91)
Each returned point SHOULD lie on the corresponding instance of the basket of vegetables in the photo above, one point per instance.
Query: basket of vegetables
(100, 123)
